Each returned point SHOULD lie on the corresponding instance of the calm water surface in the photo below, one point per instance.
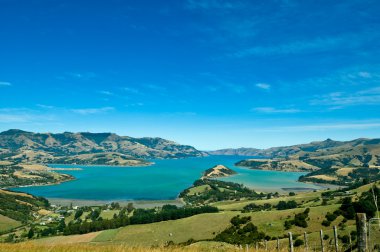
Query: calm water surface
(163, 180)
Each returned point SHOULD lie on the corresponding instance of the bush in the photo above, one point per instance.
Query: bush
(326, 223)
(298, 243)
(331, 217)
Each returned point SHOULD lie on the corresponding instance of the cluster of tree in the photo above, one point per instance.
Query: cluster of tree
(140, 216)
(345, 239)
(242, 231)
(300, 220)
(348, 209)
(19, 207)
(330, 217)
(365, 204)
(252, 207)
(168, 212)
(52, 228)
(218, 191)
(282, 205)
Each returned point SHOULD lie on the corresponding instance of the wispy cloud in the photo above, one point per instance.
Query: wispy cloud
(23, 115)
(106, 93)
(365, 74)
(131, 90)
(271, 110)
(5, 83)
(90, 111)
(7, 118)
(342, 99)
(220, 83)
(325, 127)
(155, 87)
(213, 4)
(137, 104)
(45, 106)
(319, 44)
(263, 86)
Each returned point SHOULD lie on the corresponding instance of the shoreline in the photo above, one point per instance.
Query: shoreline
(47, 184)
(136, 203)
(99, 165)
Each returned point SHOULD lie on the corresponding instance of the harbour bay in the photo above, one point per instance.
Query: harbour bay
(163, 180)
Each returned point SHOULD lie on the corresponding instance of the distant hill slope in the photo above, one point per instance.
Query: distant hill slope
(329, 161)
(323, 154)
(47, 147)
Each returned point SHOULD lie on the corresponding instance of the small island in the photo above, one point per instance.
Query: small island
(218, 171)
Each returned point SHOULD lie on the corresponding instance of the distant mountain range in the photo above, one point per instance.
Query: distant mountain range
(357, 152)
(328, 161)
(88, 148)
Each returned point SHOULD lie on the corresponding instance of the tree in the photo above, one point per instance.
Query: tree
(30, 233)
(130, 207)
(61, 225)
(78, 213)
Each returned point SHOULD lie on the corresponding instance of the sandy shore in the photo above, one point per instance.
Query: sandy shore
(136, 203)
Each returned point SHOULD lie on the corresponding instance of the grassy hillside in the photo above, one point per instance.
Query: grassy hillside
(7, 223)
(204, 227)
(20, 206)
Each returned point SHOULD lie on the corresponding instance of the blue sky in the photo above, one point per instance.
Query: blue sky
(207, 73)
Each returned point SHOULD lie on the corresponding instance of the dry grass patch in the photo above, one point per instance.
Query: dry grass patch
(70, 239)
(324, 177)
(8, 223)
(344, 171)
(34, 167)
(16, 193)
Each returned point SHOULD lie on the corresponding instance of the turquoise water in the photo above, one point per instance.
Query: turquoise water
(163, 180)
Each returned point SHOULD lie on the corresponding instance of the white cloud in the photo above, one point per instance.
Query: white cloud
(90, 111)
(263, 86)
(271, 110)
(5, 83)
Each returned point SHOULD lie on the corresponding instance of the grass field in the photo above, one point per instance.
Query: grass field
(204, 227)
(300, 198)
(108, 214)
(201, 227)
(8, 223)
(198, 189)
